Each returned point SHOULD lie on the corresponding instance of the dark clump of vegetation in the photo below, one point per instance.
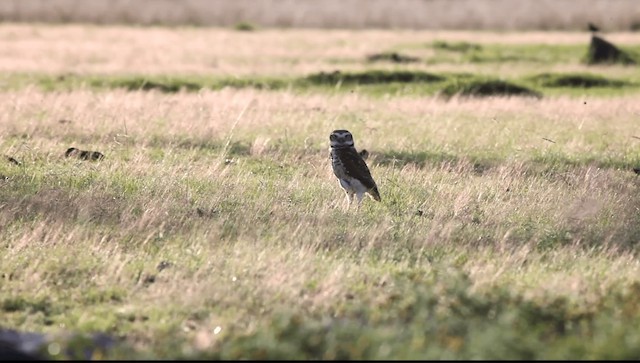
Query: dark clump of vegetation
(372, 77)
(576, 80)
(462, 47)
(244, 27)
(392, 57)
(604, 52)
(486, 87)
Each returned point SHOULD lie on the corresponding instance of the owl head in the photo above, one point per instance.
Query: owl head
(341, 139)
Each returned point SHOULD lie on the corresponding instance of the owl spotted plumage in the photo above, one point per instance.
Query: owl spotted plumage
(350, 168)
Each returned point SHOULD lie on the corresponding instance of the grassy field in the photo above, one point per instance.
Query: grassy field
(214, 227)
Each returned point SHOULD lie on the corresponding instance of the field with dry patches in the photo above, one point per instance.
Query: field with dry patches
(214, 227)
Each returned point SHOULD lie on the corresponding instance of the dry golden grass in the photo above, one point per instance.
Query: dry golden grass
(157, 50)
(509, 127)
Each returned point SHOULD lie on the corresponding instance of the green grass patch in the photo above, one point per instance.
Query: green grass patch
(464, 52)
(374, 82)
(430, 316)
(161, 83)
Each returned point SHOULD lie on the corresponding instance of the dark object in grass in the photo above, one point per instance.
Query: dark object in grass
(576, 80)
(392, 57)
(206, 213)
(636, 170)
(83, 154)
(166, 86)
(485, 88)
(593, 27)
(16, 345)
(9, 353)
(163, 265)
(13, 160)
(604, 52)
(462, 47)
(372, 77)
(244, 27)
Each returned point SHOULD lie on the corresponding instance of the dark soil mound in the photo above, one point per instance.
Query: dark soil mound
(604, 52)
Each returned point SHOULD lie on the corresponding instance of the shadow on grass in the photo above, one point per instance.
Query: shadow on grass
(485, 88)
(235, 148)
(143, 84)
(392, 57)
(419, 158)
(372, 77)
(422, 159)
(173, 85)
(554, 161)
(576, 80)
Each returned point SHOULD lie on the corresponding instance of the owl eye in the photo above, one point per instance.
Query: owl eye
(349, 137)
(332, 137)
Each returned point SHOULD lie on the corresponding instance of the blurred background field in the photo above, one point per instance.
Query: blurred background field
(612, 15)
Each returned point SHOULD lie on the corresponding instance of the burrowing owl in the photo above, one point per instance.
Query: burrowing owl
(350, 168)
